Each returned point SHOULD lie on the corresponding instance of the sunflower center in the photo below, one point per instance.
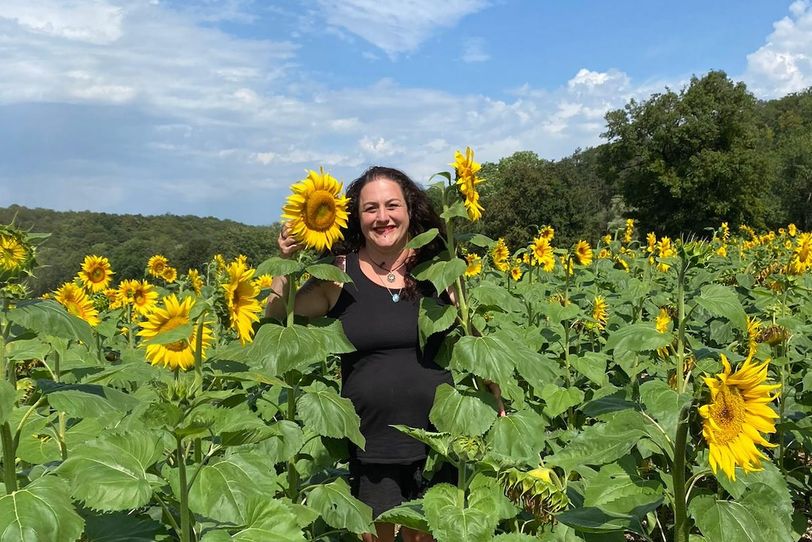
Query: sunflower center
(139, 298)
(728, 413)
(97, 275)
(320, 212)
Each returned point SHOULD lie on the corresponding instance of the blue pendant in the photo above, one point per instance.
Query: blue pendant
(395, 298)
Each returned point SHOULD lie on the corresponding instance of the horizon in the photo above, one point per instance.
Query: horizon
(214, 110)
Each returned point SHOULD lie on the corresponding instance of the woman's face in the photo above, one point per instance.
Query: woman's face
(383, 214)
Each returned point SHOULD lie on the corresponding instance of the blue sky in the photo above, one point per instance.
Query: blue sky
(214, 108)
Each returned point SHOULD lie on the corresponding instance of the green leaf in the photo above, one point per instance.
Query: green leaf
(223, 488)
(489, 357)
(179, 333)
(559, 399)
(434, 317)
(487, 494)
(491, 295)
(518, 436)
(40, 511)
(285, 440)
(47, 317)
(450, 521)
(514, 537)
(463, 413)
(276, 266)
(122, 527)
(455, 210)
(600, 443)
(327, 413)
(423, 239)
(723, 301)
(268, 520)
(328, 272)
(110, 473)
(725, 520)
(27, 349)
(476, 239)
(441, 273)
(663, 404)
(340, 509)
(407, 514)
(636, 338)
(617, 489)
(592, 365)
(89, 400)
(278, 349)
(439, 442)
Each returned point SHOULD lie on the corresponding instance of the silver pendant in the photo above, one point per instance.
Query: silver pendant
(390, 277)
(395, 298)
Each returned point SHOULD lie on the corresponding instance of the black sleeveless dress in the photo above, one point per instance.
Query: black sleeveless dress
(388, 378)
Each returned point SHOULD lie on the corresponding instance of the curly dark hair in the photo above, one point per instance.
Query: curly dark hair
(422, 217)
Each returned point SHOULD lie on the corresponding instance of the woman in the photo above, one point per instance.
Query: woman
(389, 379)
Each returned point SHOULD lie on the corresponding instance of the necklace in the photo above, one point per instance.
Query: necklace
(395, 295)
(391, 270)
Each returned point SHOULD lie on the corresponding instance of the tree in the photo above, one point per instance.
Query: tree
(692, 160)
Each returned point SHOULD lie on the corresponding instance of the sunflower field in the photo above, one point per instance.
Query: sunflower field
(655, 389)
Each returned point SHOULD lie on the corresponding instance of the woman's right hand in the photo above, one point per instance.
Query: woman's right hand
(287, 243)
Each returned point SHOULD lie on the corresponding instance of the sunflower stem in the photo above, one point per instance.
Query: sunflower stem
(290, 302)
(680, 382)
(678, 477)
(9, 459)
(293, 474)
(184, 491)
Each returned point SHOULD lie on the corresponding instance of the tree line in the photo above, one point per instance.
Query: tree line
(679, 163)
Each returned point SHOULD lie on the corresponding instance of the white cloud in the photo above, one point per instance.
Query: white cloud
(474, 50)
(784, 63)
(96, 22)
(377, 147)
(397, 27)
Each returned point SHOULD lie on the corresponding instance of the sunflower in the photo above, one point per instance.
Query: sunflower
(663, 320)
(606, 239)
(599, 311)
(315, 212)
(144, 297)
(466, 170)
(604, 254)
(474, 265)
(241, 299)
(722, 251)
(500, 255)
(542, 253)
(13, 253)
(583, 253)
(179, 354)
(156, 265)
(792, 229)
(516, 271)
(547, 232)
(194, 280)
(736, 415)
(264, 281)
(126, 291)
(96, 273)
(219, 262)
(665, 249)
(651, 242)
(801, 259)
(76, 301)
(169, 274)
(724, 231)
(628, 231)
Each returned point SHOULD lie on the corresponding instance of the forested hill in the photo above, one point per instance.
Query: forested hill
(129, 240)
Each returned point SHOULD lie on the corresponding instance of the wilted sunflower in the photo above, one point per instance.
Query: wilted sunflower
(179, 354)
(169, 274)
(96, 273)
(467, 179)
(76, 301)
(474, 265)
(241, 299)
(144, 297)
(500, 255)
(156, 265)
(736, 416)
(583, 253)
(315, 211)
(195, 281)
